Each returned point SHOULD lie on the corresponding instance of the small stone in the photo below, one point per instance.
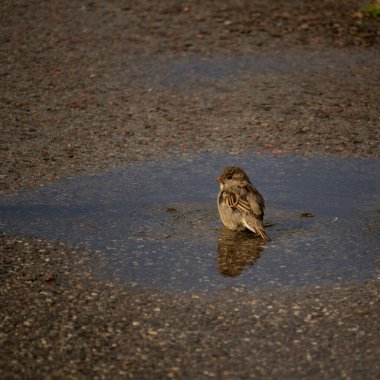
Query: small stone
(49, 276)
(152, 332)
(306, 215)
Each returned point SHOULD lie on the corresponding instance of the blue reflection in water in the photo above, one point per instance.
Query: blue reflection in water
(157, 223)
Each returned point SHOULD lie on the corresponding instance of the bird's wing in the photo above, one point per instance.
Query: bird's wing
(256, 226)
(252, 216)
(235, 201)
(256, 202)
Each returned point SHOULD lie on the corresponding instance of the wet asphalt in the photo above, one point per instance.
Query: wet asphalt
(89, 87)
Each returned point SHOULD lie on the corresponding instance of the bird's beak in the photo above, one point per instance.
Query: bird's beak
(221, 182)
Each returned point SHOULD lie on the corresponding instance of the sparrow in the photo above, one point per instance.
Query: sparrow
(240, 205)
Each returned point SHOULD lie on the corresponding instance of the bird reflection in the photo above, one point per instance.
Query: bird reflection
(237, 251)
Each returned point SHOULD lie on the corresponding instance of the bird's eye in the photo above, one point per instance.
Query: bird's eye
(229, 176)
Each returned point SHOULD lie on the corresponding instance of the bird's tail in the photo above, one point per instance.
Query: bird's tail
(256, 226)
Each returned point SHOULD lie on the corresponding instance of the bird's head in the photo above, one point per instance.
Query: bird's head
(232, 175)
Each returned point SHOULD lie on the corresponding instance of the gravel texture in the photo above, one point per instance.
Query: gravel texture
(82, 82)
(60, 322)
(90, 85)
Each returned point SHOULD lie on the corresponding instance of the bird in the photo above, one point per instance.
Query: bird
(240, 205)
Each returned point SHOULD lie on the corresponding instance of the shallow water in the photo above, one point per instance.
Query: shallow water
(195, 71)
(157, 224)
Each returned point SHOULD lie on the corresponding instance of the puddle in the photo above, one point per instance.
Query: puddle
(196, 70)
(157, 223)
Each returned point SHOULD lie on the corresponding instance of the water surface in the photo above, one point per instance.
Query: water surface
(157, 224)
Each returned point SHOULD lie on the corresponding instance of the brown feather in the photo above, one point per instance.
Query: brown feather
(256, 226)
(239, 196)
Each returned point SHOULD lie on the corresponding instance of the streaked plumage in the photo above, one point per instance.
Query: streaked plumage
(240, 204)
